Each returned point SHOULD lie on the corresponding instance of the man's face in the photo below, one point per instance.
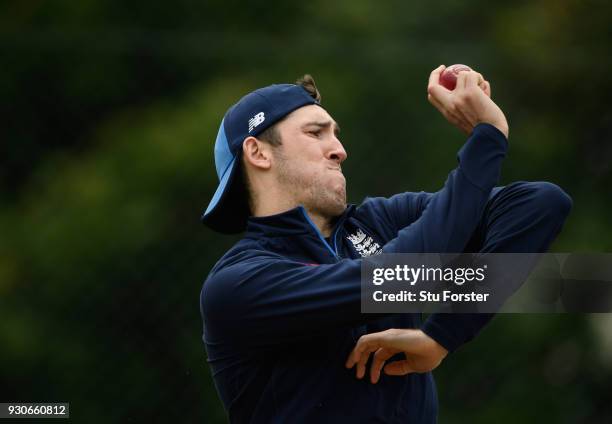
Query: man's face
(308, 162)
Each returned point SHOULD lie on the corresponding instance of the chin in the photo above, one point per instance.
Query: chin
(339, 206)
(333, 211)
(331, 206)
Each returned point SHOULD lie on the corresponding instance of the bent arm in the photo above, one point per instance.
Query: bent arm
(449, 220)
(266, 299)
(452, 214)
(269, 300)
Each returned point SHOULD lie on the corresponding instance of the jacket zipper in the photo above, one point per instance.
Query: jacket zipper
(333, 251)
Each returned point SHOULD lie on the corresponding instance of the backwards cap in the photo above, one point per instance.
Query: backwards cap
(228, 210)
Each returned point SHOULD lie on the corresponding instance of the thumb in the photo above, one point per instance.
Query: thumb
(398, 368)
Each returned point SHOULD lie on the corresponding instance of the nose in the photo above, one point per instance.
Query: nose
(337, 152)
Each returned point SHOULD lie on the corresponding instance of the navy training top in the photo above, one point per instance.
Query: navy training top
(281, 309)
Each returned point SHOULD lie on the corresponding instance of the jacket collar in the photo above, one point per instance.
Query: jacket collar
(292, 222)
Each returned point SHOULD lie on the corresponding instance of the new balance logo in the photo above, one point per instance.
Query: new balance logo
(256, 120)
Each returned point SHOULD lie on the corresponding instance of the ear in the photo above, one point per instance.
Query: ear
(257, 153)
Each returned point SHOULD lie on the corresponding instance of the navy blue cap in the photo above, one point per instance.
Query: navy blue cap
(228, 210)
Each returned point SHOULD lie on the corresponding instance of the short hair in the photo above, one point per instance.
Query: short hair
(271, 135)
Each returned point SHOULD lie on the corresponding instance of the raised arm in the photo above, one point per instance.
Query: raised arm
(265, 299)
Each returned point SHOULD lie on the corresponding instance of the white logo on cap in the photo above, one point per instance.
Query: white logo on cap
(256, 120)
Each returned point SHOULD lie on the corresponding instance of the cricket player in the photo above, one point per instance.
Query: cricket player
(281, 309)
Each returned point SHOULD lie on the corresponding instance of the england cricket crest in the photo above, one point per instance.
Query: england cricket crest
(364, 244)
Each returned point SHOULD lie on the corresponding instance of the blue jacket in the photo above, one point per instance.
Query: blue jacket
(281, 309)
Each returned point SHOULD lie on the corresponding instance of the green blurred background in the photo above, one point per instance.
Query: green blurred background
(109, 113)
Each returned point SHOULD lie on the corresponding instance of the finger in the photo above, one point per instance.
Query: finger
(431, 99)
(461, 80)
(434, 77)
(453, 118)
(398, 368)
(378, 361)
(352, 359)
(487, 88)
(361, 348)
(482, 85)
(436, 103)
(440, 93)
(472, 79)
(446, 111)
(465, 120)
(356, 353)
(361, 353)
(363, 360)
(361, 365)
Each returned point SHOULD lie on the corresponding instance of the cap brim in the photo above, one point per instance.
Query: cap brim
(228, 210)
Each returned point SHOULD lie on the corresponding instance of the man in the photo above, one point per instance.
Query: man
(281, 309)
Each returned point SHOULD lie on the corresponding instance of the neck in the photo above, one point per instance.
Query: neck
(271, 202)
(325, 224)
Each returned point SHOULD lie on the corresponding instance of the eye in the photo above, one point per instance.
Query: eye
(315, 133)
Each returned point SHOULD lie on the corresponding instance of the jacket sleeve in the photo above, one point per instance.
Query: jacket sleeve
(444, 222)
(267, 299)
(451, 215)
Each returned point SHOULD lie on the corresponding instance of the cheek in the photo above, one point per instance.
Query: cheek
(337, 182)
(342, 183)
(305, 174)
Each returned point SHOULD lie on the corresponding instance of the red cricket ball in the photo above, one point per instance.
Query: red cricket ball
(448, 77)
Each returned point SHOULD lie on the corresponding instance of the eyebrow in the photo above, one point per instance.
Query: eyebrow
(324, 124)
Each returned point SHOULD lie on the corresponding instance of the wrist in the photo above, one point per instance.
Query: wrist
(440, 350)
(502, 127)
